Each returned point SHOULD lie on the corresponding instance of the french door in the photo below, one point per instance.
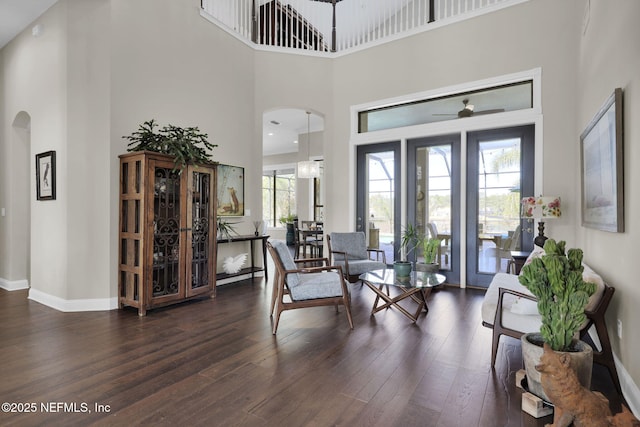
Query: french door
(433, 196)
(500, 169)
(378, 196)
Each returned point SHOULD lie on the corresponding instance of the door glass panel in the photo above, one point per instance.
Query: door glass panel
(380, 201)
(200, 229)
(433, 198)
(166, 238)
(498, 220)
(378, 196)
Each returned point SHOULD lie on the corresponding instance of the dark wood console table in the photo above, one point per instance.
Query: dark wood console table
(247, 270)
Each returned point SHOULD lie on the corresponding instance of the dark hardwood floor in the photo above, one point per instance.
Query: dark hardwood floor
(214, 362)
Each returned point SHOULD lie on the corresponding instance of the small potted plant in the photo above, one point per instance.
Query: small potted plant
(409, 241)
(287, 221)
(226, 229)
(430, 249)
(556, 281)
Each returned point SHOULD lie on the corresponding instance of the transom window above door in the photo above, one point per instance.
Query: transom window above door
(496, 99)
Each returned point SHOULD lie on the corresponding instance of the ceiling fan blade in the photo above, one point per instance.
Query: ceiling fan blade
(495, 110)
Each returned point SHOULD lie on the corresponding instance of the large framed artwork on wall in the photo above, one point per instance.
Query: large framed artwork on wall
(601, 149)
(230, 190)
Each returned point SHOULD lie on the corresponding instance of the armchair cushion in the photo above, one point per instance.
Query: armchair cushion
(359, 266)
(518, 322)
(521, 314)
(524, 306)
(287, 262)
(317, 285)
(353, 244)
(588, 275)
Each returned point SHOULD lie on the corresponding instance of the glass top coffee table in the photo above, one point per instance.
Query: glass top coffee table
(417, 286)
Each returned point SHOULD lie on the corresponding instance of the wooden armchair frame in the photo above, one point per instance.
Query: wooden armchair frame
(596, 317)
(280, 287)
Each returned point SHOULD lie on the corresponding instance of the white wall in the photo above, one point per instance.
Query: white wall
(89, 260)
(182, 70)
(34, 82)
(609, 58)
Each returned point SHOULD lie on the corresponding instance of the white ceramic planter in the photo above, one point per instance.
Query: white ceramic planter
(581, 362)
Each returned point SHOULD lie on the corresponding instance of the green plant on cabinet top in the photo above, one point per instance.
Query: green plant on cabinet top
(186, 145)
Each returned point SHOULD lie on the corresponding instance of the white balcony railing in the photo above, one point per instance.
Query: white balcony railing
(319, 25)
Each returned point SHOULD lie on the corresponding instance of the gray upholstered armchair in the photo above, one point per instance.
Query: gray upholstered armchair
(295, 286)
(349, 250)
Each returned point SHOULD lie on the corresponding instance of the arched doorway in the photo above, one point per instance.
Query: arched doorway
(19, 173)
(291, 135)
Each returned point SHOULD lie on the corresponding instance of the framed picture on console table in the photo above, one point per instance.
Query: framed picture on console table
(230, 190)
(46, 176)
(602, 168)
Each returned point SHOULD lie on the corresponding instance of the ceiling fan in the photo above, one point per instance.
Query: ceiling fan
(468, 111)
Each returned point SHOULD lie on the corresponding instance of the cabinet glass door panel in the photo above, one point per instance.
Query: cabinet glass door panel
(166, 236)
(200, 211)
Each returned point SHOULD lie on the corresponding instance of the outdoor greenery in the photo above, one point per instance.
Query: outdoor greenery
(186, 145)
(278, 196)
(500, 212)
(556, 280)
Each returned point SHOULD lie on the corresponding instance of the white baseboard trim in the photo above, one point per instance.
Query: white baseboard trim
(96, 304)
(630, 390)
(14, 285)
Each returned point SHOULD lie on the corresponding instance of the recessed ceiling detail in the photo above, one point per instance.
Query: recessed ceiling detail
(291, 122)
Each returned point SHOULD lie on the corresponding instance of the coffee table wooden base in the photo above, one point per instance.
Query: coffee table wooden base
(420, 299)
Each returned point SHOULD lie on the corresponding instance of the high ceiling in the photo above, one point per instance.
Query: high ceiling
(16, 15)
(280, 127)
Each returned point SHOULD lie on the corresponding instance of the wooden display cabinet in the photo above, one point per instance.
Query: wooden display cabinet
(167, 238)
